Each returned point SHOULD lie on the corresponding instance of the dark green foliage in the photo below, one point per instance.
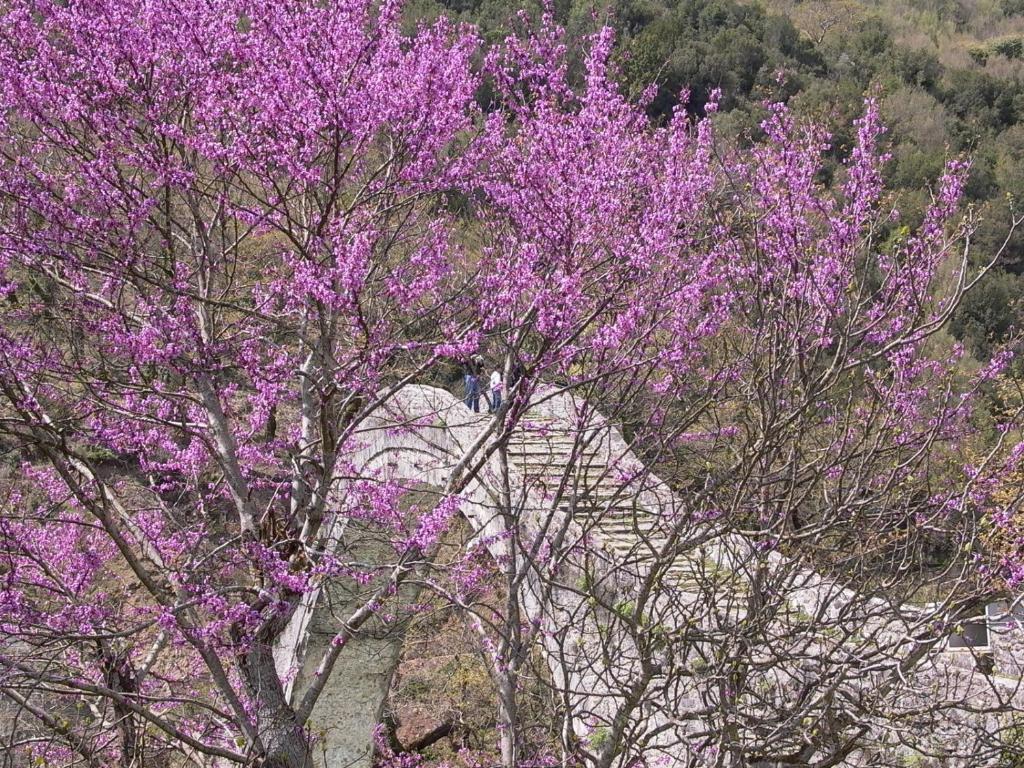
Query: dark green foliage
(915, 167)
(702, 45)
(989, 312)
(915, 67)
(979, 54)
(980, 101)
(991, 237)
(1010, 47)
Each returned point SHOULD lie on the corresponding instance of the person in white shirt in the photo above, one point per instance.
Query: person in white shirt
(494, 402)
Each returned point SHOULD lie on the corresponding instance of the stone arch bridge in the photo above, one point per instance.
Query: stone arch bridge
(572, 477)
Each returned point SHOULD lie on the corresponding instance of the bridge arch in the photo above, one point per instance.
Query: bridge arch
(417, 438)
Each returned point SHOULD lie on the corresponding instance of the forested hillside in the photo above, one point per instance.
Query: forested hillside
(949, 75)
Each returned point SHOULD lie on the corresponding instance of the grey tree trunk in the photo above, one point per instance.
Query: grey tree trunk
(285, 743)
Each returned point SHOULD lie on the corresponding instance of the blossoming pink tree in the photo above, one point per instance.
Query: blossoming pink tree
(227, 238)
(775, 357)
(224, 240)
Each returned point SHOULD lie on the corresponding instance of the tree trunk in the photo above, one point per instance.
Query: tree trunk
(286, 746)
(507, 726)
(119, 676)
(284, 741)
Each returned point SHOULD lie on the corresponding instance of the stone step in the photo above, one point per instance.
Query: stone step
(558, 436)
(559, 441)
(641, 537)
(583, 464)
(592, 483)
(630, 542)
(619, 515)
(593, 464)
(583, 468)
(623, 500)
(532, 418)
(591, 459)
(531, 447)
(559, 431)
(582, 503)
(611, 515)
(623, 525)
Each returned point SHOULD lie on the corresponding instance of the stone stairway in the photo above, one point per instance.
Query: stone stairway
(588, 469)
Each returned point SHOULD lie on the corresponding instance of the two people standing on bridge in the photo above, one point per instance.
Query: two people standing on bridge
(474, 383)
